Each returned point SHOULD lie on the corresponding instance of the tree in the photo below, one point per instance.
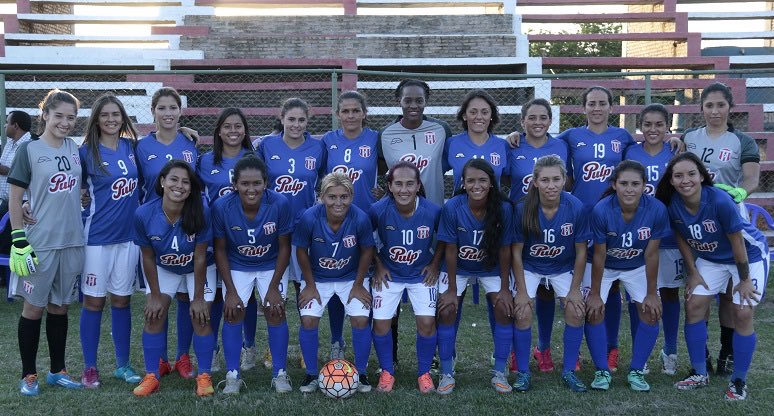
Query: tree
(591, 48)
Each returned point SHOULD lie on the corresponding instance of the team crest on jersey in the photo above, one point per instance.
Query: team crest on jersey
(90, 280)
(76, 159)
(364, 151)
(709, 226)
(495, 159)
(28, 287)
(421, 162)
(423, 232)
(353, 174)
(61, 182)
(643, 233)
(310, 162)
(123, 187)
(188, 156)
(349, 241)
(190, 237)
(615, 145)
(595, 171)
(269, 228)
(287, 184)
(566, 229)
(429, 137)
(724, 155)
(377, 302)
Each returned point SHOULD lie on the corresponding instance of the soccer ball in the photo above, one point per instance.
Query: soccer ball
(338, 379)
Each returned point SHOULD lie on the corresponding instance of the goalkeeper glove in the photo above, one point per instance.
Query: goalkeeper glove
(23, 258)
(738, 194)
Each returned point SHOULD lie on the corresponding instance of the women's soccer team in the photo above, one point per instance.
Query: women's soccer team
(208, 230)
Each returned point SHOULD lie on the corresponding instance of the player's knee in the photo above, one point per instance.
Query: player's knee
(571, 318)
(275, 316)
(95, 304)
(117, 301)
(447, 316)
(382, 326)
(56, 309)
(359, 322)
(310, 322)
(425, 326)
(743, 317)
(696, 309)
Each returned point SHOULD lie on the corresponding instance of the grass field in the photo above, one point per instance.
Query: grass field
(473, 394)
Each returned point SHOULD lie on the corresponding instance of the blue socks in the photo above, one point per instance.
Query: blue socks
(90, 326)
(164, 346)
(232, 344)
(361, 345)
(596, 340)
(250, 323)
(184, 328)
(336, 319)
(490, 316)
(279, 336)
(744, 346)
(696, 340)
(522, 341)
(503, 339)
(446, 340)
(573, 336)
(122, 333)
(383, 347)
(308, 339)
(204, 346)
(425, 352)
(643, 344)
(612, 318)
(151, 349)
(545, 309)
(670, 318)
(216, 315)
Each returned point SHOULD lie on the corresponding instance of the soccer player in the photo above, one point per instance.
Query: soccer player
(294, 163)
(476, 227)
(550, 239)
(655, 155)
(110, 262)
(47, 257)
(252, 227)
(351, 150)
(733, 162)
(627, 226)
(405, 223)
(153, 152)
(335, 247)
(231, 139)
(173, 232)
(535, 143)
(718, 246)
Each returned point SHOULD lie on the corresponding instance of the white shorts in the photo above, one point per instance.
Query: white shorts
(634, 281)
(560, 282)
(670, 268)
(716, 276)
(422, 297)
(490, 284)
(341, 289)
(110, 269)
(244, 282)
(294, 270)
(172, 283)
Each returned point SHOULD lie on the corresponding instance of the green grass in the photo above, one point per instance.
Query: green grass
(473, 394)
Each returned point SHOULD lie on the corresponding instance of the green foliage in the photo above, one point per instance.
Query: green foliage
(581, 49)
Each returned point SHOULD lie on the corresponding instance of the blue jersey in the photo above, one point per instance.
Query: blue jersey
(521, 161)
(217, 180)
(114, 195)
(405, 244)
(655, 166)
(592, 158)
(707, 231)
(459, 226)
(252, 245)
(334, 256)
(174, 249)
(553, 251)
(460, 148)
(357, 158)
(153, 155)
(626, 242)
(293, 172)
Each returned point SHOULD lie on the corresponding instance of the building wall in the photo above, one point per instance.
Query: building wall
(49, 8)
(656, 49)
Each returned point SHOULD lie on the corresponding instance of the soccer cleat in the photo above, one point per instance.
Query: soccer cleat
(693, 381)
(267, 361)
(523, 382)
(544, 360)
(446, 384)
(29, 386)
(573, 382)
(90, 378)
(309, 385)
(149, 385)
(668, 363)
(247, 361)
(425, 383)
(204, 385)
(184, 367)
(62, 379)
(612, 359)
(127, 374)
(645, 369)
(601, 380)
(232, 381)
(215, 365)
(364, 386)
(164, 368)
(737, 390)
(725, 366)
(637, 381)
(500, 382)
(386, 382)
(338, 349)
(281, 383)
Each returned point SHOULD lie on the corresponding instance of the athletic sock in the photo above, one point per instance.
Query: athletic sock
(151, 349)
(121, 319)
(165, 342)
(425, 351)
(336, 319)
(308, 339)
(612, 318)
(250, 324)
(383, 347)
(394, 328)
(232, 344)
(522, 341)
(670, 318)
(216, 316)
(361, 345)
(634, 318)
(503, 339)
(595, 339)
(91, 322)
(726, 342)
(573, 337)
(490, 315)
(545, 309)
(696, 341)
(184, 328)
(29, 338)
(204, 346)
(744, 346)
(643, 344)
(56, 334)
(446, 340)
(279, 336)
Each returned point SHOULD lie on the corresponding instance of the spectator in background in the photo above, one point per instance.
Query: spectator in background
(17, 128)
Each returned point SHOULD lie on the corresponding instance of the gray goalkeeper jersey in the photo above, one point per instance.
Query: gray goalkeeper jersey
(723, 156)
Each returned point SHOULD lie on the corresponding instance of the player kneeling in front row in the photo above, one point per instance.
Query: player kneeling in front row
(252, 227)
(405, 223)
(335, 247)
(708, 225)
(550, 238)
